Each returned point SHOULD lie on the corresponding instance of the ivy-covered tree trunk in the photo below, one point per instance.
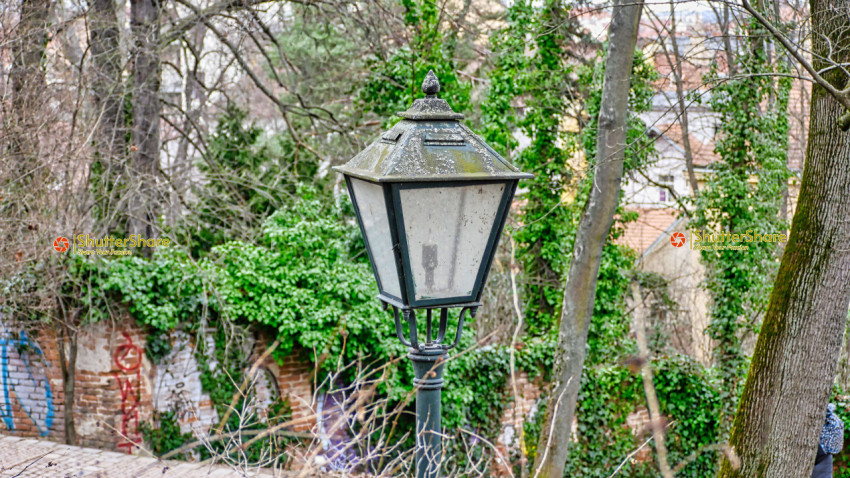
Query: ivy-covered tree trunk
(144, 203)
(752, 141)
(593, 229)
(782, 408)
(109, 179)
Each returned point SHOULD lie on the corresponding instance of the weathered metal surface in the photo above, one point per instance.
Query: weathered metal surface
(428, 364)
(430, 144)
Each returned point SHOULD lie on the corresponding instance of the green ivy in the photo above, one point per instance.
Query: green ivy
(554, 198)
(221, 370)
(163, 434)
(157, 346)
(394, 81)
(302, 280)
(548, 217)
(161, 292)
(609, 393)
(752, 143)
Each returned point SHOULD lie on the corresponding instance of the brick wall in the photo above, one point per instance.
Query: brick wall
(507, 445)
(293, 378)
(117, 387)
(30, 382)
(113, 390)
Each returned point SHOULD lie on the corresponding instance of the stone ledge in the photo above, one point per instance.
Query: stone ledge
(43, 459)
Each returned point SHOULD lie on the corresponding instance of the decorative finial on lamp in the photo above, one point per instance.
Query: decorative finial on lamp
(431, 85)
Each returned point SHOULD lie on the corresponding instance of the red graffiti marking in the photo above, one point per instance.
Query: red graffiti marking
(128, 359)
(124, 355)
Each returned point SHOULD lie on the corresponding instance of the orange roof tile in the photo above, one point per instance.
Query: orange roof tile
(650, 224)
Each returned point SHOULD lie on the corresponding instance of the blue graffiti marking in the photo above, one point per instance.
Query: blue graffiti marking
(26, 389)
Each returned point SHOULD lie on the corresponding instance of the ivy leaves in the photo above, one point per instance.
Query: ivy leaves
(161, 292)
(611, 394)
(743, 192)
(300, 282)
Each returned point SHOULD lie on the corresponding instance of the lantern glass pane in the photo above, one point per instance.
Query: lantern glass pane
(447, 230)
(369, 198)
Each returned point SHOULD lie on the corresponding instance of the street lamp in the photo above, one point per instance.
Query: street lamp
(431, 199)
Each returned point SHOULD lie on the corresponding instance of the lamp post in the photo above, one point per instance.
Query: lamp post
(431, 198)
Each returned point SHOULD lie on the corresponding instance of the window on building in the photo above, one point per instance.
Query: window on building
(665, 182)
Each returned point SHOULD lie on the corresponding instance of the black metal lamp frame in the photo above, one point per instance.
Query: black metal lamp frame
(429, 357)
(401, 259)
(430, 148)
(428, 360)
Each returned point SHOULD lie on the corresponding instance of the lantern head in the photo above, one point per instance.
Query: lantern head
(431, 199)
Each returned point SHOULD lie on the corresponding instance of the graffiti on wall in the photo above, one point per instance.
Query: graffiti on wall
(128, 359)
(178, 386)
(23, 374)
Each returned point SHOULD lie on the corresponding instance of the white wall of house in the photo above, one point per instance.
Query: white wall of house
(668, 167)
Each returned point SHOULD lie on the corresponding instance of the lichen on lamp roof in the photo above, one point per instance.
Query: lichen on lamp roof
(430, 144)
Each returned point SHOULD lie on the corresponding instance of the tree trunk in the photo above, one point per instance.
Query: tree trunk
(21, 168)
(109, 138)
(594, 227)
(27, 74)
(145, 202)
(782, 409)
(68, 365)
